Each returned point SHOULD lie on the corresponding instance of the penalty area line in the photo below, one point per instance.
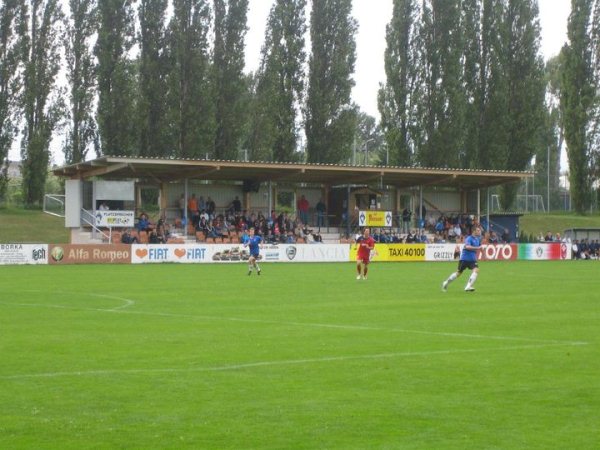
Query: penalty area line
(289, 362)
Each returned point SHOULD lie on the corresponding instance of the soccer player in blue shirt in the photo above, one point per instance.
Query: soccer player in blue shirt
(468, 260)
(253, 242)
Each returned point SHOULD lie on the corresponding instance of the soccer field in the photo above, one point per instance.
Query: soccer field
(302, 357)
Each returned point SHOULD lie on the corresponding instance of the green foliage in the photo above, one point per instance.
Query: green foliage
(330, 117)
(230, 86)
(577, 99)
(280, 83)
(10, 16)
(80, 27)
(190, 98)
(117, 88)
(42, 107)
(153, 69)
(396, 99)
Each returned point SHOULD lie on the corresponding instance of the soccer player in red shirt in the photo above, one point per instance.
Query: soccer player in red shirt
(365, 244)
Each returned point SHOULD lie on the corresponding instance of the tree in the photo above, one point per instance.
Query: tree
(80, 27)
(524, 71)
(10, 19)
(577, 100)
(280, 82)
(442, 96)
(190, 111)
(116, 79)
(153, 71)
(330, 117)
(229, 82)
(42, 109)
(396, 98)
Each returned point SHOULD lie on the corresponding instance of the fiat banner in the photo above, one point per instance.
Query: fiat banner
(551, 251)
(231, 253)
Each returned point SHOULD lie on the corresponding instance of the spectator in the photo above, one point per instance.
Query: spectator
(193, 211)
(162, 230)
(210, 207)
(181, 204)
(505, 238)
(321, 210)
(548, 237)
(303, 209)
(406, 217)
(144, 223)
(493, 238)
(235, 206)
(103, 207)
(127, 238)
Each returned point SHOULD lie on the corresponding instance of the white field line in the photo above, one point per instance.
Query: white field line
(289, 362)
(304, 324)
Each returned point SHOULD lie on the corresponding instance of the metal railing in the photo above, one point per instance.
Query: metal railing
(87, 218)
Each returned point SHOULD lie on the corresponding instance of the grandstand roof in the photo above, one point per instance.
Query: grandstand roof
(169, 170)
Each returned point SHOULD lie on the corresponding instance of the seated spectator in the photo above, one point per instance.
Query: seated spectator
(153, 238)
(127, 238)
(548, 237)
(163, 231)
(505, 238)
(493, 238)
(410, 237)
(144, 223)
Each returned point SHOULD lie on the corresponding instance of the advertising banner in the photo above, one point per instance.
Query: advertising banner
(89, 254)
(394, 252)
(498, 252)
(542, 251)
(115, 219)
(173, 253)
(23, 254)
(375, 218)
(228, 253)
(442, 252)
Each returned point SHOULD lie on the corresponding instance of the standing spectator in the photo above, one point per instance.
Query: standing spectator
(321, 210)
(210, 207)
(303, 209)
(181, 204)
(406, 217)
(193, 211)
(236, 206)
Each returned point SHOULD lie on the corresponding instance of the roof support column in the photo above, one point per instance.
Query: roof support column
(479, 205)
(487, 194)
(420, 206)
(185, 209)
(270, 197)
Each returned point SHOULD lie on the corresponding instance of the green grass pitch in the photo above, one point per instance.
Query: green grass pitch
(302, 357)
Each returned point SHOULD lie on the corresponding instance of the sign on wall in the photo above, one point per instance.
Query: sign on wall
(89, 254)
(115, 219)
(23, 254)
(375, 218)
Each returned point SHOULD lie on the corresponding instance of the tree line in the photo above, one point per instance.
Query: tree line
(466, 86)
